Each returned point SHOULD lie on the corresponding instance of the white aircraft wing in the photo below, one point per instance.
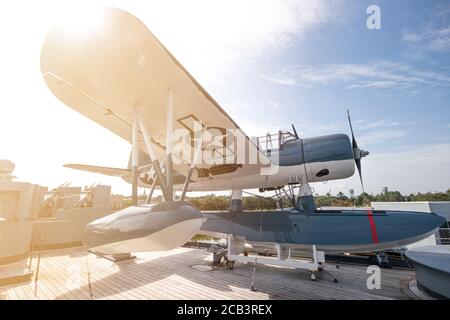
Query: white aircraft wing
(109, 72)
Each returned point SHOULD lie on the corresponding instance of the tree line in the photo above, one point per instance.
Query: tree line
(364, 199)
(219, 202)
(215, 202)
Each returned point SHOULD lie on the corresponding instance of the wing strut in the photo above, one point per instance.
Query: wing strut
(152, 154)
(134, 161)
(152, 189)
(197, 152)
(169, 133)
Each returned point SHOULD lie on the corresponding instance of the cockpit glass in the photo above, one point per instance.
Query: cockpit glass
(276, 140)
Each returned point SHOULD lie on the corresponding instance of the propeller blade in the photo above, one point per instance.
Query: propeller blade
(358, 165)
(295, 131)
(361, 153)
(354, 143)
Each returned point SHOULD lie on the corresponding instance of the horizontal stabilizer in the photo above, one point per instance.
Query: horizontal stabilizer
(115, 172)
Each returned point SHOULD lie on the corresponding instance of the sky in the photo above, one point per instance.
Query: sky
(269, 64)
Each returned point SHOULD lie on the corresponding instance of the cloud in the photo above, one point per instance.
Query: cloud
(381, 74)
(422, 168)
(379, 136)
(364, 125)
(210, 37)
(343, 126)
(368, 132)
(432, 35)
(433, 39)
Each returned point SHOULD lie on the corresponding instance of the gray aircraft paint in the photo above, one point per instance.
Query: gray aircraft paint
(318, 149)
(323, 228)
(344, 229)
(138, 221)
(432, 267)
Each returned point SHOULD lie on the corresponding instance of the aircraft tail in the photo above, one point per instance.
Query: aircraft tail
(125, 174)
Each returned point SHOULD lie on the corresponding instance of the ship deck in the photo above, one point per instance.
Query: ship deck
(63, 274)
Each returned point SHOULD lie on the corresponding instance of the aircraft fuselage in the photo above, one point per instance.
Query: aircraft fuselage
(314, 159)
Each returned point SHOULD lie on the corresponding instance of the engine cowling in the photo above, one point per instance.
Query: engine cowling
(328, 157)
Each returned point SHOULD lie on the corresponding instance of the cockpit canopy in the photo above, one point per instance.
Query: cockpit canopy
(276, 140)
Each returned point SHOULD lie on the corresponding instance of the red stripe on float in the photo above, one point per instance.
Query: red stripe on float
(373, 227)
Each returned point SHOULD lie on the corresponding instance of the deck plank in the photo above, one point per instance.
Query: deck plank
(169, 275)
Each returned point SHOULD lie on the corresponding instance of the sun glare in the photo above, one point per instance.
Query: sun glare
(81, 20)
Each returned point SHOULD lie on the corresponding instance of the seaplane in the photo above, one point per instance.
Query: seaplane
(123, 78)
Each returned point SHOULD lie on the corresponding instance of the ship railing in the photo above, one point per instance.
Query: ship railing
(443, 236)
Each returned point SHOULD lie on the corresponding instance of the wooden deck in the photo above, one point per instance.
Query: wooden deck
(170, 275)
